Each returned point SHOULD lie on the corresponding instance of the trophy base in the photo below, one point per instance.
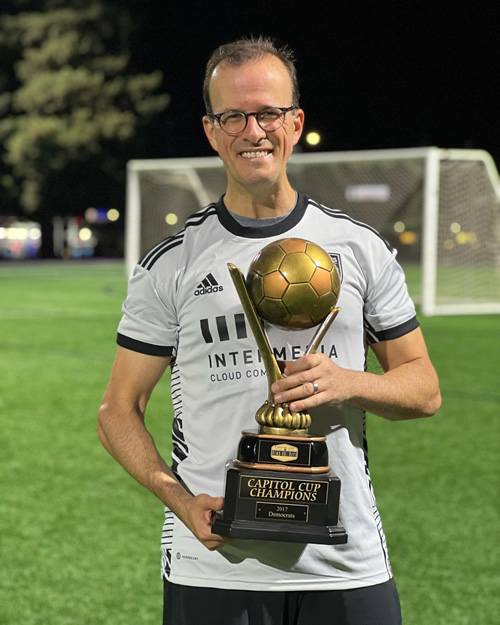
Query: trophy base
(285, 506)
(274, 467)
(307, 453)
(281, 532)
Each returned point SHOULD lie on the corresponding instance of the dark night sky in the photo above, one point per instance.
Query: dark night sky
(372, 74)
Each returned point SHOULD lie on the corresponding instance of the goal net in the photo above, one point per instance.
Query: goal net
(439, 208)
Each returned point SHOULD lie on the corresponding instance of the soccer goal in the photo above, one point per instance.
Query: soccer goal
(440, 208)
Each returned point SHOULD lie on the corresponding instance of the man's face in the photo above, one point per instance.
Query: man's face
(255, 158)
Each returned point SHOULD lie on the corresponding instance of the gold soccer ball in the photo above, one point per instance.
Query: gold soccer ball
(293, 283)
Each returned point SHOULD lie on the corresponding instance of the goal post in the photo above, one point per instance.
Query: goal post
(439, 207)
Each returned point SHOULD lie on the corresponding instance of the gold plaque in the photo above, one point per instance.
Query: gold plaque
(284, 452)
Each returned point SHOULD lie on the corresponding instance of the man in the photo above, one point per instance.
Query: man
(253, 121)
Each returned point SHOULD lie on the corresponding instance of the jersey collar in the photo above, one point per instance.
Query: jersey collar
(252, 232)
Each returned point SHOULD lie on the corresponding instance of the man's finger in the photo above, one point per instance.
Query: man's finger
(302, 364)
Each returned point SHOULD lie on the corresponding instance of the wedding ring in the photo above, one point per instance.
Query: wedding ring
(315, 387)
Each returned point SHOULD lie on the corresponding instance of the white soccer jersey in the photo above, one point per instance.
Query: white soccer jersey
(182, 303)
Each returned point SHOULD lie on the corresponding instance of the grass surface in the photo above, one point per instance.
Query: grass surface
(80, 539)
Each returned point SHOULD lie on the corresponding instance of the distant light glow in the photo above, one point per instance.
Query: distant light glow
(17, 234)
(3, 233)
(85, 234)
(399, 226)
(455, 227)
(91, 215)
(408, 237)
(171, 219)
(466, 237)
(35, 234)
(313, 138)
(367, 193)
(113, 214)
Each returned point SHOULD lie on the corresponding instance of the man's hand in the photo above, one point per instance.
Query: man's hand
(198, 514)
(407, 389)
(332, 383)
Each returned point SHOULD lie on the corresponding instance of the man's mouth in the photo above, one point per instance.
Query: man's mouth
(256, 154)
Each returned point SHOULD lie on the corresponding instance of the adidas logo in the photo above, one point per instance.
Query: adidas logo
(208, 285)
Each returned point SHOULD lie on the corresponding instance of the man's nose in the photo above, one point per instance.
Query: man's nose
(253, 132)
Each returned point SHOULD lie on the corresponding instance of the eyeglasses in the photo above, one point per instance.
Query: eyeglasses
(235, 122)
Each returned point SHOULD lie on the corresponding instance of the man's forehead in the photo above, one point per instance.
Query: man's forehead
(254, 70)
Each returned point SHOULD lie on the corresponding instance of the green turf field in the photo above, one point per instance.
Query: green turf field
(79, 539)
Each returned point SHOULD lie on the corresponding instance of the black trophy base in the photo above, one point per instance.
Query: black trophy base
(307, 453)
(280, 506)
(281, 532)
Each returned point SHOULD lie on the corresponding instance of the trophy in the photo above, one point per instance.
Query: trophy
(281, 487)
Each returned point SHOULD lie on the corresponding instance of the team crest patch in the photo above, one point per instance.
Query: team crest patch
(338, 263)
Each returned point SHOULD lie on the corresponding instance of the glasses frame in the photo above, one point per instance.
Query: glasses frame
(284, 110)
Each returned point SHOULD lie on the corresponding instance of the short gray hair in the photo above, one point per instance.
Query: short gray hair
(246, 49)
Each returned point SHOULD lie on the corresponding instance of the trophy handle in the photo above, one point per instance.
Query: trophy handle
(270, 363)
(321, 331)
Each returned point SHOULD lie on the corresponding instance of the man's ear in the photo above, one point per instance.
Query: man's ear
(298, 125)
(209, 128)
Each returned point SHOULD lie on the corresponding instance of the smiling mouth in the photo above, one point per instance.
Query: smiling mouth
(257, 154)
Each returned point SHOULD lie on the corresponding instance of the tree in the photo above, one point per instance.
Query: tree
(72, 99)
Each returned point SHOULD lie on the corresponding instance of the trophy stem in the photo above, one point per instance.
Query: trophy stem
(272, 368)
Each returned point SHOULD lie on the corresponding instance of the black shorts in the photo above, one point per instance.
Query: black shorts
(372, 605)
